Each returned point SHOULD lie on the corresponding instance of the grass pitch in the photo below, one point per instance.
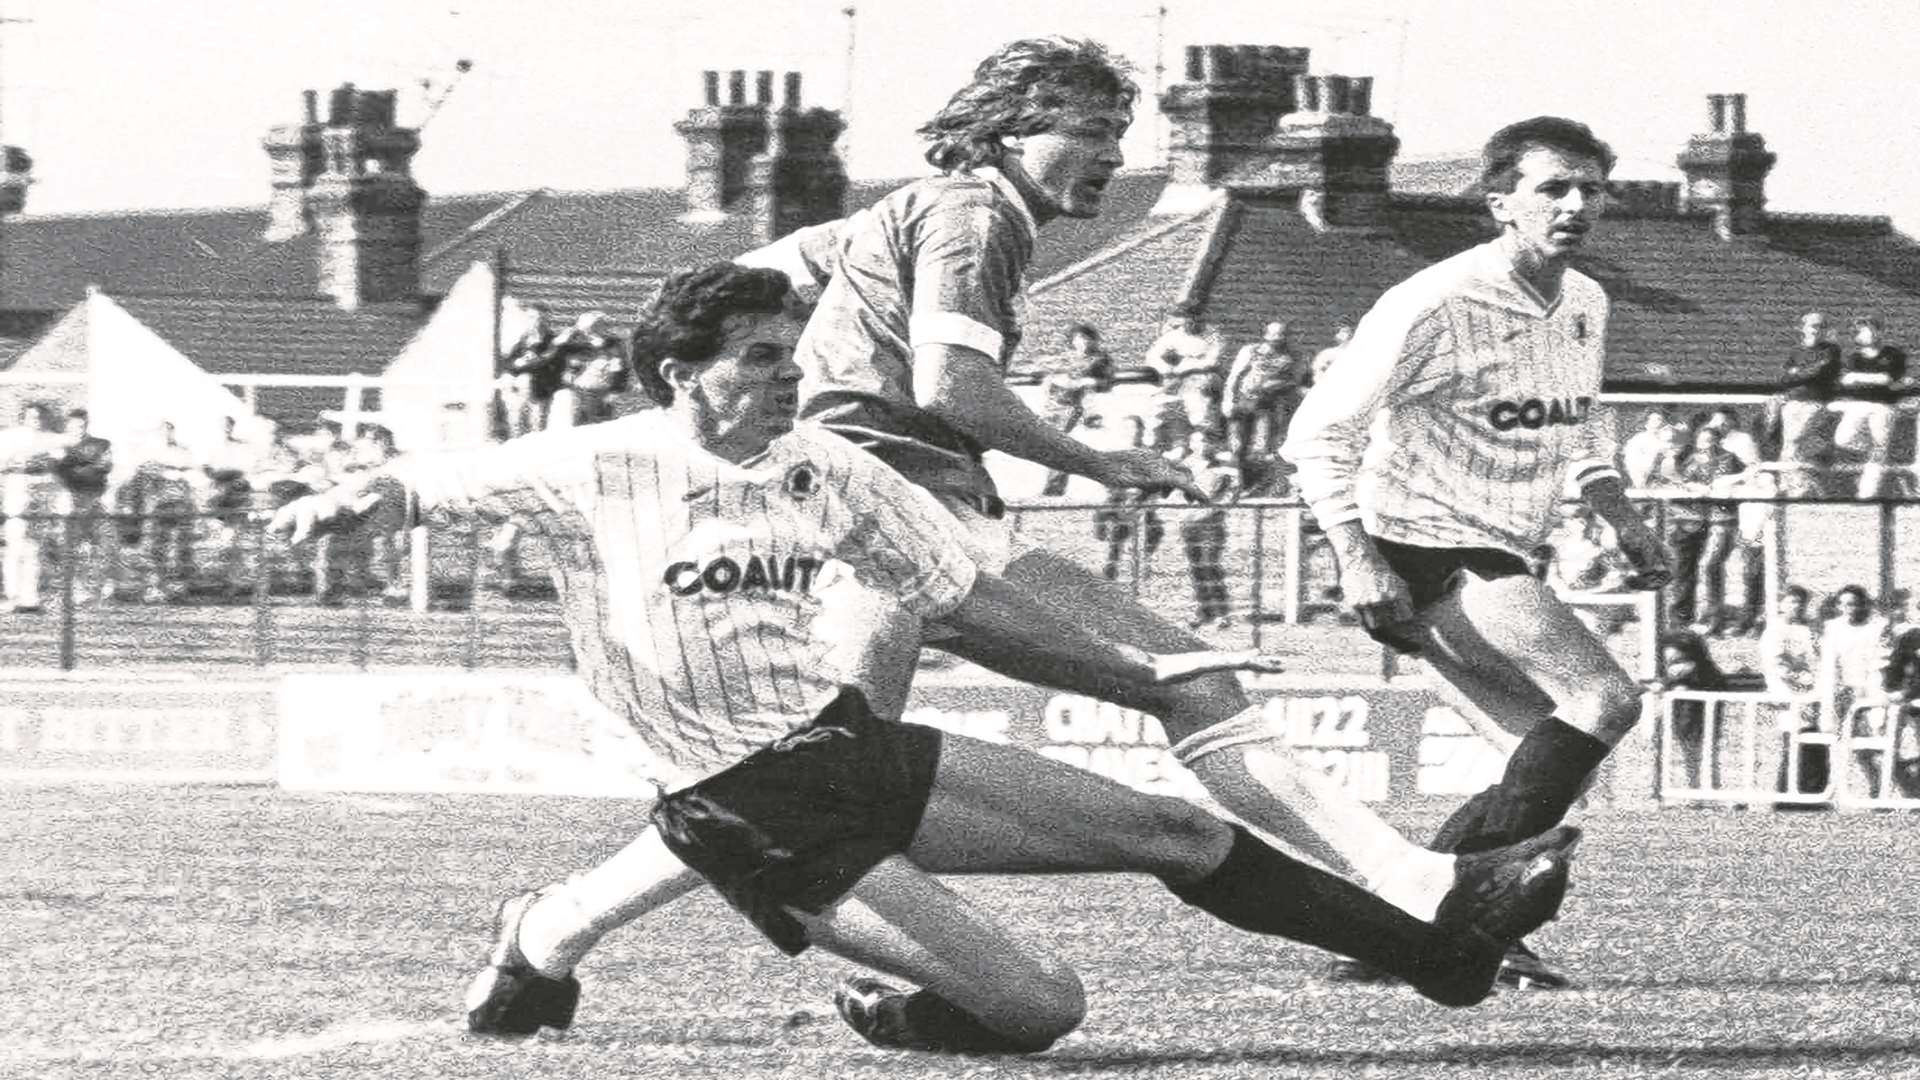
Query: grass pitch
(242, 932)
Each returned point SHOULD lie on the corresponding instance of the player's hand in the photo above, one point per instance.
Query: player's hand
(1147, 471)
(1179, 667)
(1377, 596)
(303, 517)
(1647, 553)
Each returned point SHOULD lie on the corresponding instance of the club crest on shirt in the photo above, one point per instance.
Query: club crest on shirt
(802, 480)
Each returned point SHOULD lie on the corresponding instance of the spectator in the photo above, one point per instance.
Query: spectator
(577, 351)
(1262, 391)
(1126, 515)
(84, 470)
(161, 493)
(1903, 710)
(1754, 522)
(1701, 532)
(1873, 375)
(1686, 664)
(1807, 384)
(1640, 454)
(1738, 441)
(1856, 651)
(1186, 358)
(1322, 360)
(1085, 369)
(533, 373)
(1790, 662)
(1203, 530)
(230, 465)
(29, 453)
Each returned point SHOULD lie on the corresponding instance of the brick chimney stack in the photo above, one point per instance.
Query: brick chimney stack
(1726, 168)
(776, 163)
(1225, 112)
(363, 202)
(1335, 152)
(294, 153)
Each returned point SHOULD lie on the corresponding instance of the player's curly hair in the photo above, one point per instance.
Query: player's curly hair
(1017, 91)
(1500, 158)
(686, 318)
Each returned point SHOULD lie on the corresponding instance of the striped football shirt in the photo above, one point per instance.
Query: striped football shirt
(1460, 410)
(693, 588)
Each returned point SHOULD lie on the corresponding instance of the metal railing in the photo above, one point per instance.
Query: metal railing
(1740, 735)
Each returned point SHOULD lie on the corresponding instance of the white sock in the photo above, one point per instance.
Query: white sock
(1263, 782)
(1417, 883)
(569, 919)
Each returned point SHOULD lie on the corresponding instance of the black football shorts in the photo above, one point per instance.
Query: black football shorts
(1432, 573)
(797, 824)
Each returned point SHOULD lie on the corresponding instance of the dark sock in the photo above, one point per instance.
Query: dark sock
(1467, 822)
(923, 1020)
(1261, 889)
(1543, 778)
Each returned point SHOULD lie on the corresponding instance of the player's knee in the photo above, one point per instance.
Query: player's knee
(1054, 1004)
(1608, 707)
(1197, 704)
(1182, 842)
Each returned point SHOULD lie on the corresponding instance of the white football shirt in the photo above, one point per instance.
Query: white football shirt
(1488, 403)
(692, 586)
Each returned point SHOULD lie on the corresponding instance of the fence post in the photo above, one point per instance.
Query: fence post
(1886, 549)
(470, 653)
(1294, 580)
(262, 595)
(420, 568)
(68, 548)
(1259, 571)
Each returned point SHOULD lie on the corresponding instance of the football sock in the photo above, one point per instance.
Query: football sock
(1263, 782)
(1546, 773)
(923, 1020)
(1261, 889)
(569, 919)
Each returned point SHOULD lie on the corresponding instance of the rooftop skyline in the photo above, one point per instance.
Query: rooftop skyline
(126, 105)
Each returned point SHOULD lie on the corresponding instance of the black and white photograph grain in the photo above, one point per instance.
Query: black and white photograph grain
(1028, 539)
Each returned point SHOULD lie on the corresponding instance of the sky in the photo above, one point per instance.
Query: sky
(137, 104)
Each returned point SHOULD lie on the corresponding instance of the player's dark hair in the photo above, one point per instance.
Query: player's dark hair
(1018, 91)
(1800, 593)
(1500, 158)
(1085, 330)
(686, 319)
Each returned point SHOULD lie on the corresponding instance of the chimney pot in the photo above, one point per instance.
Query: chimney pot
(711, 81)
(1717, 113)
(1219, 64)
(1739, 102)
(763, 88)
(1336, 95)
(736, 87)
(1360, 95)
(1250, 61)
(793, 89)
(311, 99)
(1196, 63)
(1306, 93)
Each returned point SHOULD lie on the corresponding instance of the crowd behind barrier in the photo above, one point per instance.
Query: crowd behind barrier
(1735, 487)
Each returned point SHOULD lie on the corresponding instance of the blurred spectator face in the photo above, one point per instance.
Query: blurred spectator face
(1276, 334)
(1342, 334)
(1706, 440)
(1677, 663)
(1083, 342)
(1655, 423)
(1866, 333)
(77, 423)
(1813, 329)
(1793, 605)
(1851, 602)
(36, 417)
(1721, 421)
